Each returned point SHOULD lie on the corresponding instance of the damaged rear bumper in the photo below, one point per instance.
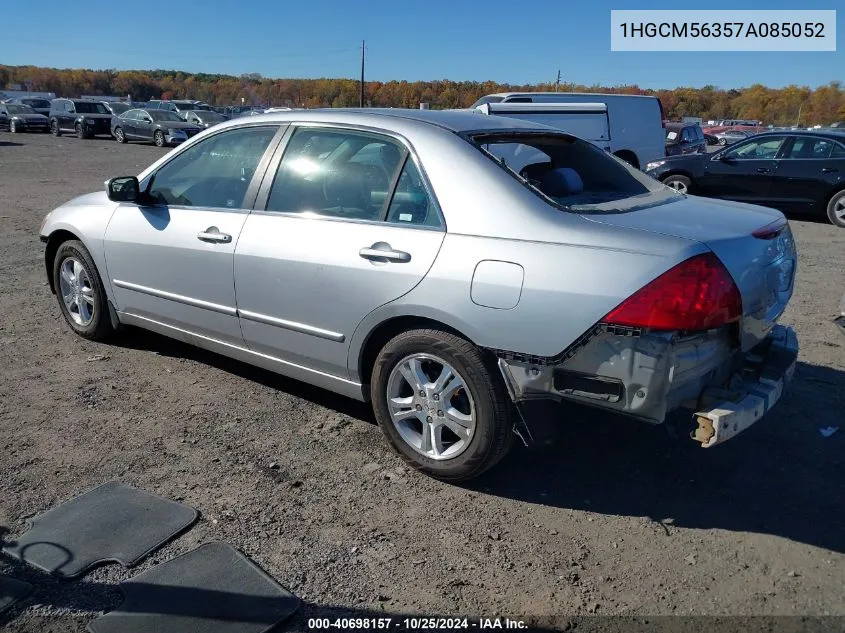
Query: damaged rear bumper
(649, 374)
(753, 391)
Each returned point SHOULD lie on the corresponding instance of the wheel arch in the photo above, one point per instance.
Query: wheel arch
(675, 172)
(54, 240)
(385, 330)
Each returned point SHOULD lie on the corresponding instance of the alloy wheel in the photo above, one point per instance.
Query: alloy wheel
(77, 291)
(839, 209)
(431, 407)
(678, 185)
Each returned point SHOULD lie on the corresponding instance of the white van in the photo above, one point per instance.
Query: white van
(634, 124)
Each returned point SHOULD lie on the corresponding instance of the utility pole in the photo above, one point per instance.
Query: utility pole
(557, 83)
(361, 99)
(798, 122)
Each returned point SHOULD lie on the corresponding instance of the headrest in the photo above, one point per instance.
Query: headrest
(563, 181)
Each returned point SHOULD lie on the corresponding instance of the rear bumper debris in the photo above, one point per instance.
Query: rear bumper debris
(753, 391)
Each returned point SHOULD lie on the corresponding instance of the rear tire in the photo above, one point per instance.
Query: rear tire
(679, 183)
(119, 136)
(723, 141)
(79, 290)
(55, 130)
(836, 209)
(481, 392)
(158, 139)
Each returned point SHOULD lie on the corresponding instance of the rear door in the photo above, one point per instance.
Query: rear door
(143, 125)
(809, 170)
(344, 224)
(743, 172)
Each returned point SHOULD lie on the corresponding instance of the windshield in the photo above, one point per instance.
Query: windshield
(484, 100)
(36, 103)
(164, 115)
(572, 173)
(19, 109)
(84, 107)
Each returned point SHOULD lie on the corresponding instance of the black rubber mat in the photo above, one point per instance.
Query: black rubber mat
(11, 591)
(113, 522)
(213, 588)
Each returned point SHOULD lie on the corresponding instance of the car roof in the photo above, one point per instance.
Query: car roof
(458, 121)
(577, 94)
(834, 133)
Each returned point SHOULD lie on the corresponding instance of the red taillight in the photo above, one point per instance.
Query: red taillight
(697, 294)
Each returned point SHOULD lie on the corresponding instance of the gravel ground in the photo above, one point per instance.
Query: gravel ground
(607, 516)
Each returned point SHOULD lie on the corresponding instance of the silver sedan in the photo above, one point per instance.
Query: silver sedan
(445, 266)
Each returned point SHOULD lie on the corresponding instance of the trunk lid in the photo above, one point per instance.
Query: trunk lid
(763, 267)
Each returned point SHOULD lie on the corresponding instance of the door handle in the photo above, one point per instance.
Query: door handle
(763, 170)
(829, 170)
(213, 234)
(381, 251)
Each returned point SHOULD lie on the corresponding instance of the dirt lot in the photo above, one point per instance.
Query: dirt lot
(608, 517)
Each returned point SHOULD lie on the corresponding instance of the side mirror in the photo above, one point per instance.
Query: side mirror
(726, 158)
(123, 189)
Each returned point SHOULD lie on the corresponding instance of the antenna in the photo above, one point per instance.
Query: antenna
(361, 99)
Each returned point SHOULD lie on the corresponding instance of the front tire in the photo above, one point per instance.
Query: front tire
(81, 132)
(79, 290)
(119, 136)
(442, 405)
(836, 209)
(13, 127)
(158, 139)
(55, 130)
(679, 183)
(723, 141)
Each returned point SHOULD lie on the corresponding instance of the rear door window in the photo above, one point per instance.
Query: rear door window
(805, 147)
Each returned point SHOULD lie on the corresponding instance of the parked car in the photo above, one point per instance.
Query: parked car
(205, 118)
(117, 107)
(16, 117)
(726, 137)
(154, 126)
(799, 172)
(684, 138)
(83, 117)
(179, 106)
(635, 124)
(40, 105)
(345, 249)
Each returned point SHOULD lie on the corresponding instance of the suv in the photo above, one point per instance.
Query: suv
(180, 107)
(85, 117)
(684, 138)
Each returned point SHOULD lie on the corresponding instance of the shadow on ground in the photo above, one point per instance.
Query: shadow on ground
(11, 144)
(781, 477)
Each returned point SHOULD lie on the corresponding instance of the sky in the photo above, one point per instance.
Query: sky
(500, 40)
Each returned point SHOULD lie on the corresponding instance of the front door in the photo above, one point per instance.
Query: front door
(743, 172)
(348, 225)
(172, 260)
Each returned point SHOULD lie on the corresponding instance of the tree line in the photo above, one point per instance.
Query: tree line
(777, 106)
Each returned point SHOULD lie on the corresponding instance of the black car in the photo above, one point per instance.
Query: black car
(684, 138)
(40, 105)
(85, 117)
(21, 118)
(204, 118)
(799, 172)
(161, 127)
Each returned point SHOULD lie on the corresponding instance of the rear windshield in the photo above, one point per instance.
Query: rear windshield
(84, 107)
(569, 172)
(119, 108)
(484, 100)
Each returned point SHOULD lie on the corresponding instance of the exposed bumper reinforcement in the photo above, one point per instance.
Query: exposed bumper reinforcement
(753, 391)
